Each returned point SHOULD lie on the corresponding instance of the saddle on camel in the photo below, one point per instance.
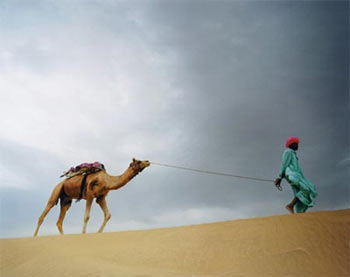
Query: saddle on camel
(83, 169)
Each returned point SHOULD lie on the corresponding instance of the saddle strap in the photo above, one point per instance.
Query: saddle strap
(82, 187)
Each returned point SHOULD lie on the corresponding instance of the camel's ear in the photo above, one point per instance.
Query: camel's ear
(133, 159)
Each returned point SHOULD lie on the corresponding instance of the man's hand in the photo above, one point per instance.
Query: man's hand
(278, 183)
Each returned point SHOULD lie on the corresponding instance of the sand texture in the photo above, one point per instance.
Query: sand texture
(310, 244)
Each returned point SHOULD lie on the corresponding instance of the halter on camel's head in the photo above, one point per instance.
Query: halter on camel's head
(138, 166)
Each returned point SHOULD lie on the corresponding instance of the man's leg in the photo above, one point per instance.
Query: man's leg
(290, 206)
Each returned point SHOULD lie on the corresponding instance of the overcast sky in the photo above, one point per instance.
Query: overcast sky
(214, 85)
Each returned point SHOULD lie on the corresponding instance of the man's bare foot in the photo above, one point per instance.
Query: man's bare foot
(290, 209)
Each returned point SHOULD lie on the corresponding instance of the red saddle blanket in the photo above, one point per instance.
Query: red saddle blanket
(84, 168)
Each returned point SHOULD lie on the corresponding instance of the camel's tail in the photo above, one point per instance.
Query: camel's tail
(55, 195)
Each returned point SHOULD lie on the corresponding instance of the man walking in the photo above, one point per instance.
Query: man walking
(304, 191)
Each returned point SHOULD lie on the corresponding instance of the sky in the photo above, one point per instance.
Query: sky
(212, 85)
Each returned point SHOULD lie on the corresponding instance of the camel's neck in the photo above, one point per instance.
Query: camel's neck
(117, 182)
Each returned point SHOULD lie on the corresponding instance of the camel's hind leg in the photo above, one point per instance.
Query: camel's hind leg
(65, 205)
(87, 213)
(52, 202)
(41, 218)
(103, 204)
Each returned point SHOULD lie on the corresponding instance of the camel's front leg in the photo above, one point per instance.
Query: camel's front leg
(87, 213)
(103, 204)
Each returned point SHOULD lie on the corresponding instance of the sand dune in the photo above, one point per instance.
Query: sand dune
(311, 244)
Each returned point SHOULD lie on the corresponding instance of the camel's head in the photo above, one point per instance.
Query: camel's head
(138, 166)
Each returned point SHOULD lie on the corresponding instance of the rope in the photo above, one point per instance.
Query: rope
(213, 173)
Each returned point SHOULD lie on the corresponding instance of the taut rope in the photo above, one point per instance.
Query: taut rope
(214, 173)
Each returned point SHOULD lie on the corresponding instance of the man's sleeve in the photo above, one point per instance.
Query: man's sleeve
(286, 159)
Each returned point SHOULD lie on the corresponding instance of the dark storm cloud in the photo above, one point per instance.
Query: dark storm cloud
(256, 73)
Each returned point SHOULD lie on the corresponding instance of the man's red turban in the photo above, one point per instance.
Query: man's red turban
(292, 140)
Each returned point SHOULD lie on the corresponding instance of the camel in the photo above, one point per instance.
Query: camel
(98, 186)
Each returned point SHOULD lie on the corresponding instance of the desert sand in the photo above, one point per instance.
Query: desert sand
(310, 244)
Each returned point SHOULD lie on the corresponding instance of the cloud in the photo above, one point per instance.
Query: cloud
(26, 168)
(98, 89)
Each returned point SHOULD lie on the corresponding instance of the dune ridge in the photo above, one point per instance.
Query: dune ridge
(310, 244)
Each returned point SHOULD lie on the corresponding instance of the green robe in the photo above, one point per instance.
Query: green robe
(303, 189)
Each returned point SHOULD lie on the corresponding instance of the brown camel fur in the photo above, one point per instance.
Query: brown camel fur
(97, 186)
